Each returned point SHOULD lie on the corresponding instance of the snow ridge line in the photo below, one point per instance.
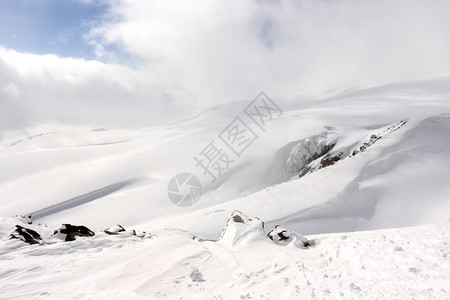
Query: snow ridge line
(330, 159)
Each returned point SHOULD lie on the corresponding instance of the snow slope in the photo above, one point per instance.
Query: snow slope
(394, 263)
(100, 177)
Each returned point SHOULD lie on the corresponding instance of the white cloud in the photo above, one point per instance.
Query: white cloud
(10, 89)
(205, 52)
(227, 50)
(38, 89)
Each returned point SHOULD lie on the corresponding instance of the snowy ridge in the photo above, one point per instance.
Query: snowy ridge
(328, 157)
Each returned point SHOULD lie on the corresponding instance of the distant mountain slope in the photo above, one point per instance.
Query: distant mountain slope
(398, 180)
(360, 161)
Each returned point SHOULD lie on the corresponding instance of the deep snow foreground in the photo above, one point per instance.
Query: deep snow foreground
(394, 263)
(368, 159)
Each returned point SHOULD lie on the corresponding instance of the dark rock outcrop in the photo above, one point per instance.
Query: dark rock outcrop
(331, 157)
(72, 231)
(294, 157)
(26, 235)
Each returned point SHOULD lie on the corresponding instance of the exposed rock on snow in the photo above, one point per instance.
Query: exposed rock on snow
(375, 137)
(331, 157)
(143, 234)
(119, 230)
(240, 229)
(309, 149)
(282, 236)
(295, 156)
(26, 235)
(69, 232)
(196, 276)
(28, 218)
(66, 232)
(114, 230)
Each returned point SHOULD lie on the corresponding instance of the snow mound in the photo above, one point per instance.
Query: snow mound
(114, 230)
(241, 230)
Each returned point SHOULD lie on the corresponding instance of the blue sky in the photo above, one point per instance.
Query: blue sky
(48, 26)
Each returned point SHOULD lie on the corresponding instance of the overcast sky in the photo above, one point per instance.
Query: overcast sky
(137, 63)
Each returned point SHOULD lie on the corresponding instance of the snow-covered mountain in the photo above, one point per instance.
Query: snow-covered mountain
(364, 161)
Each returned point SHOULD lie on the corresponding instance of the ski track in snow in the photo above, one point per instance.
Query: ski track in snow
(82, 199)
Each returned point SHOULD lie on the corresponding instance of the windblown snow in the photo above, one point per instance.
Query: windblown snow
(344, 197)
